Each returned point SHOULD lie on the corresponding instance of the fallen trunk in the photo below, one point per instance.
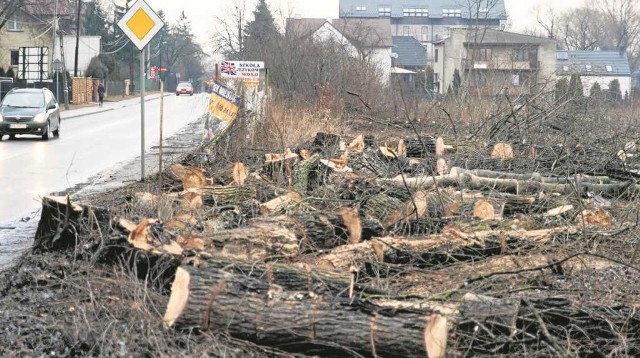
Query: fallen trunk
(416, 251)
(207, 298)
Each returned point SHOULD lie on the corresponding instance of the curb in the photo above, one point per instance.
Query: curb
(62, 117)
(86, 114)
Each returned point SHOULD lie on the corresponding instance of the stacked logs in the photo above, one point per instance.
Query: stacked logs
(356, 248)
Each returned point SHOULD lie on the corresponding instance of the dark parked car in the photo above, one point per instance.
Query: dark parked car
(32, 111)
(184, 88)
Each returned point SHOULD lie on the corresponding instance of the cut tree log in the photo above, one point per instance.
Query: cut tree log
(280, 203)
(519, 187)
(173, 176)
(483, 210)
(279, 167)
(207, 298)
(421, 147)
(225, 195)
(502, 151)
(236, 174)
(357, 144)
(410, 250)
(320, 230)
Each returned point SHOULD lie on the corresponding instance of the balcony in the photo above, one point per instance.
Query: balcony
(501, 65)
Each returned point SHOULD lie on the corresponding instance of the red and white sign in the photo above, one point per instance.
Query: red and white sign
(247, 71)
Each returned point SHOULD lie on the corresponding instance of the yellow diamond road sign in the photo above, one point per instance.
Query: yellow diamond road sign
(140, 24)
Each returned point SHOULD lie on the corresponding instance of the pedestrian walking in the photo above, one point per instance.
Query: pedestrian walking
(100, 94)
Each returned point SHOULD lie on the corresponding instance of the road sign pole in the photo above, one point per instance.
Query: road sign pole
(142, 113)
(140, 23)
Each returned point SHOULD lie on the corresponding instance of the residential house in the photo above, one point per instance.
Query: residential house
(368, 39)
(27, 38)
(490, 61)
(408, 59)
(595, 66)
(428, 21)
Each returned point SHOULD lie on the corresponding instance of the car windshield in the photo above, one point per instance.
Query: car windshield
(24, 100)
(184, 85)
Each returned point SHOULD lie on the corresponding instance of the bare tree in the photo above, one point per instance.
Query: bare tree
(228, 35)
(602, 24)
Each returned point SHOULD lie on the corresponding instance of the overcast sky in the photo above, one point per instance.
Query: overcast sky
(522, 13)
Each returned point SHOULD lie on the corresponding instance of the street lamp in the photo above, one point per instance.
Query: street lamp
(79, 6)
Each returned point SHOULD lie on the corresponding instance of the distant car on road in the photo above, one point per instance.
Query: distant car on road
(184, 88)
(31, 111)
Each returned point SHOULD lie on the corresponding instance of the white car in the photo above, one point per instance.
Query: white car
(184, 88)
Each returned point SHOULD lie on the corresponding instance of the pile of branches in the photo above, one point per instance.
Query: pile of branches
(347, 246)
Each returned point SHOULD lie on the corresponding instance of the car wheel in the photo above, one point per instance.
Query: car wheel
(12, 136)
(177, 94)
(47, 132)
(56, 133)
(191, 94)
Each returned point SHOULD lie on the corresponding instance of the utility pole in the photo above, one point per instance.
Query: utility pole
(75, 66)
(53, 47)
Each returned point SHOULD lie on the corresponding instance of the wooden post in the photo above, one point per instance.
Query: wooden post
(161, 127)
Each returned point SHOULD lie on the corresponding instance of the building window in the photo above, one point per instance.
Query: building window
(588, 67)
(420, 12)
(451, 13)
(424, 33)
(481, 54)
(14, 23)
(435, 55)
(520, 54)
(361, 8)
(405, 30)
(384, 11)
(609, 68)
(515, 80)
(15, 57)
(483, 10)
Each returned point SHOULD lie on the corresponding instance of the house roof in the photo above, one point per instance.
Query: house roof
(410, 52)
(593, 63)
(47, 8)
(370, 8)
(488, 36)
(369, 32)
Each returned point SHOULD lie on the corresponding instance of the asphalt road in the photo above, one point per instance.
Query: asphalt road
(95, 152)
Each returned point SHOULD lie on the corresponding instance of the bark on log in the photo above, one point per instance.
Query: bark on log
(207, 298)
(386, 209)
(321, 230)
(421, 147)
(302, 171)
(258, 240)
(226, 195)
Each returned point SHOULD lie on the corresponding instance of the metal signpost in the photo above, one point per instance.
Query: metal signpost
(141, 24)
